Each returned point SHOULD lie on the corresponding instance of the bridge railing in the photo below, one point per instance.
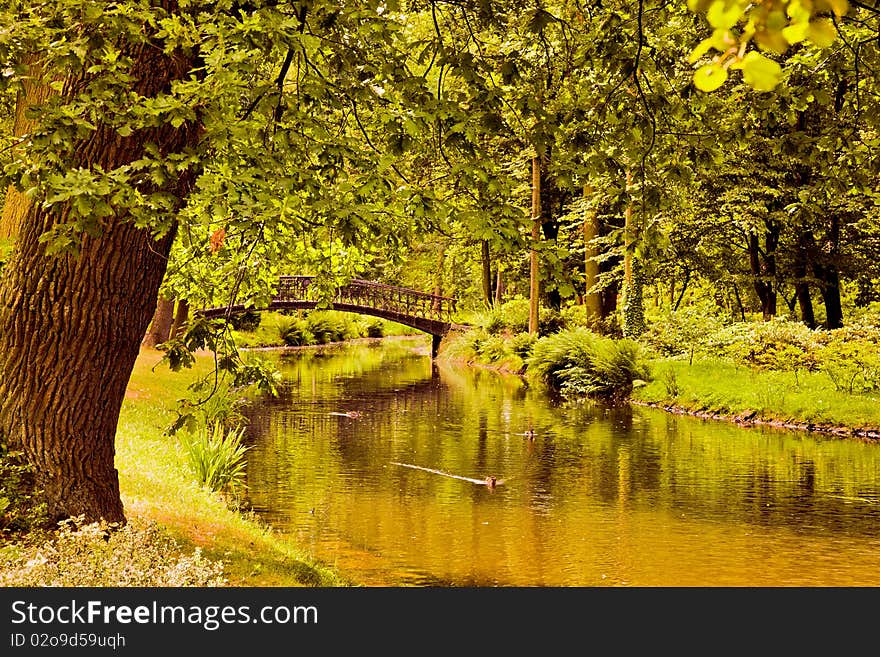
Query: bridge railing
(373, 295)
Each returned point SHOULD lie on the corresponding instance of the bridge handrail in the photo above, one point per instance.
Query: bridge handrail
(359, 282)
(391, 298)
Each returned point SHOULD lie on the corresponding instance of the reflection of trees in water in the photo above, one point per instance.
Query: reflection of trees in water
(471, 422)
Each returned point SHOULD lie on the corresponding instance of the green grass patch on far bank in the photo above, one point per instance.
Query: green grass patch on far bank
(719, 386)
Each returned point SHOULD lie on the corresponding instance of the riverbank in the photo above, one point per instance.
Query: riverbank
(179, 533)
(156, 486)
(719, 390)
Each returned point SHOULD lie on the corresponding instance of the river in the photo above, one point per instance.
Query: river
(586, 495)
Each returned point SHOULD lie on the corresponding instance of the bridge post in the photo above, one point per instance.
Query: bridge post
(435, 345)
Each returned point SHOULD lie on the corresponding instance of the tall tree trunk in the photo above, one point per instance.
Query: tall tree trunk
(180, 318)
(160, 325)
(486, 266)
(438, 279)
(802, 289)
(763, 266)
(499, 287)
(534, 284)
(36, 91)
(592, 300)
(830, 290)
(551, 205)
(71, 326)
(633, 275)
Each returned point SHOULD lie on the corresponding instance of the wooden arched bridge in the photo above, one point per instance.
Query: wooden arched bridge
(430, 313)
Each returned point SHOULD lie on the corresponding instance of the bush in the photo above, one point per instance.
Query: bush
(579, 363)
(850, 356)
(522, 344)
(92, 555)
(549, 321)
(19, 509)
(779, 344)
(246, 321)
(216, 455)
(375, 328)
(294, 332)
(510, 317)
(330, 326)
(686, 331)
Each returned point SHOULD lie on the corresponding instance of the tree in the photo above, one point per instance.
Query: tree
(71, 322)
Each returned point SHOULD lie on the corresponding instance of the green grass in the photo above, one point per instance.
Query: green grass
(158, 486)
(718, 386)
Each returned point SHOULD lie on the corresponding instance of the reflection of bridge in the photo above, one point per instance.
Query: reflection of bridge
(430, 313)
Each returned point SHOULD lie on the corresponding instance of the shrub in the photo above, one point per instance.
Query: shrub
(92, 555)
(549, 321)
(579, 362)
(375, 328)
(246, 321)
(19, 509)
(850, 356)
(510, 317)
(330, 326)
(685, 331)
(216, 455)
(779, 344)
(294, 332)
(522, 344)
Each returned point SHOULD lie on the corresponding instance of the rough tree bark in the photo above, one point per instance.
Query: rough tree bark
(71, 327)
(35, 93)
(160, 324)
(486, 267)
(802, 289)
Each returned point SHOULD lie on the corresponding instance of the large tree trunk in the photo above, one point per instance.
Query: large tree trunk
(552, 199)
(35, 93)
(802, 289)
(633, 274)
(160, 325)
(499, 287)
(71, 327)
(438, 279)
(830, 282)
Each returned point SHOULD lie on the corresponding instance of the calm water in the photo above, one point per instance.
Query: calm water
(597, 497)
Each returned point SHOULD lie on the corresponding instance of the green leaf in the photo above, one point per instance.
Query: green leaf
(822, 32)
(702, 48)
(759, 72)
(724, 15)
(710, 77)
(796, 32)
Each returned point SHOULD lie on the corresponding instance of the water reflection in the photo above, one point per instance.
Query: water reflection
(592, 496)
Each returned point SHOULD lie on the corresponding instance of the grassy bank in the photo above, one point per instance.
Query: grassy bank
(777, 372)
(156, 486)
(179, 533)
(716, 387)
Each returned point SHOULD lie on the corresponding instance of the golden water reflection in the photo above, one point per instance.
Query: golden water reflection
(597, 496)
